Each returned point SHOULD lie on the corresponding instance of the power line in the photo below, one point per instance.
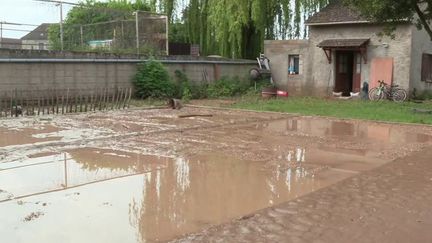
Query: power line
(20, 24)
(58, 2)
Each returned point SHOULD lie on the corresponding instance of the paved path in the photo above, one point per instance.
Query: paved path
(390, 204)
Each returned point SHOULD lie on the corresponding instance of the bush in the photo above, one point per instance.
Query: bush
(226, 87)
(187, 90)
(152, 81)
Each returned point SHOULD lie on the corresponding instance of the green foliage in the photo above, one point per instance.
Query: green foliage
(152, 81)
(91, 12)
(226, 87)
(392, 12)
(187, 94)
(236, 28)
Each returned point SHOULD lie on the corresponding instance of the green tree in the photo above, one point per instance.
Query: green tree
(91, 12)
(391, 12)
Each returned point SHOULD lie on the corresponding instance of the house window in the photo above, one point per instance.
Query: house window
(358, 63)
(294, 64)
(426, 73)
(41, 46)
(343, 63)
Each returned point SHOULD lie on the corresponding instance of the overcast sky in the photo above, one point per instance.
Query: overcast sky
(28, 12)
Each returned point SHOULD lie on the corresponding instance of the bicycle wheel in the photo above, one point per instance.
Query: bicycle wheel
(399, 95)
(376, 94)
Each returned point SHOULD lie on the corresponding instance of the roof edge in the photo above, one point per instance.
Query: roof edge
(339, 23)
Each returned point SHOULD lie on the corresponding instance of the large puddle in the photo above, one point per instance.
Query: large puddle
(227, 172)
(10, 137)
(70, 197)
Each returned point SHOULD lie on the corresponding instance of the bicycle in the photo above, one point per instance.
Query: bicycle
(390, 92)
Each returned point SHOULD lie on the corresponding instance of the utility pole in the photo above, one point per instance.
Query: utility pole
(60, 4)
(167, 36)
(137, 32)
(1, 34)
(61, 25)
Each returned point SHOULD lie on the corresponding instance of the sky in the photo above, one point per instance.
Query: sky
(28, 12)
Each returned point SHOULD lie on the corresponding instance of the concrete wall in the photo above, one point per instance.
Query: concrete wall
(323, 75)
(47, 70)
(278, 53)
(421, 44)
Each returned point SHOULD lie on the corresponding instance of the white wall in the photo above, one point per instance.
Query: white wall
(422, 43)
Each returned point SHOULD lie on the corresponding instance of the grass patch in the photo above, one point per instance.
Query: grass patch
(357, 109)
(148, 102)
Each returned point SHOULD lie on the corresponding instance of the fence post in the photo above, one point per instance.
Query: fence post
(137, 31)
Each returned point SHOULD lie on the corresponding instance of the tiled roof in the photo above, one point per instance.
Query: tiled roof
(343, 43)
(40, 33)
(334, 13)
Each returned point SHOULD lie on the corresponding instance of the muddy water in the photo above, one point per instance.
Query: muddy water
(10, 137)
(139, 198)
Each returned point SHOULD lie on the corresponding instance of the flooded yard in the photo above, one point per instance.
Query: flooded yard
(150, 175)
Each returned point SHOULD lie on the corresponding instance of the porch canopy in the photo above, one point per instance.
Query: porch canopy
(330, 45)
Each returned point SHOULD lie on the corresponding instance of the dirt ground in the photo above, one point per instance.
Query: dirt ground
(220, 175)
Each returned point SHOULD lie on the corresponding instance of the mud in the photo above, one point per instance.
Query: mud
(157, 177)
(390, 204)
(10, 137)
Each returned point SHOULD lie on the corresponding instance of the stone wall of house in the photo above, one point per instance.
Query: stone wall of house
(421, 44)
(278, 53)
(26, 70)
(35, 44)
(399, 49)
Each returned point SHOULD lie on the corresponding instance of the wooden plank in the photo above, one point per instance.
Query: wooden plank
(11, 103)
(85, 102)
(62, 101)
(113, 98)
(100, 99)
(39, 102)
(80, 101)
(57, 101)
(67, 101)
(129, 98)
(125, 99)
(16, 103)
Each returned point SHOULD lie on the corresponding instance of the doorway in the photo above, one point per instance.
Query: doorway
(348, 72)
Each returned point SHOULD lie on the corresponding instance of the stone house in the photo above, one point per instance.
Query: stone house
(344, 51)
(37, 39)
(10, 43)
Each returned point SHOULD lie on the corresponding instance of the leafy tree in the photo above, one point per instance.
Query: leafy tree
(237, 28)
(391, 12)
(91, 12)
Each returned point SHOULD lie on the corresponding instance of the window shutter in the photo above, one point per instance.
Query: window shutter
(426, 67)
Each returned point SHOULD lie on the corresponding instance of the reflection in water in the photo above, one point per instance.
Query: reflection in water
(190, 194)
(152, 198)
(322, 127)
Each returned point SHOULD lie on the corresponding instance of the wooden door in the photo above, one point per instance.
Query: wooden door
(344, 72)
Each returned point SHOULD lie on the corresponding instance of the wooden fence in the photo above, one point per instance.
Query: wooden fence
(39, 102)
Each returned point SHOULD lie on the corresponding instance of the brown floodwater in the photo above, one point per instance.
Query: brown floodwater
(10, 137)
(219, 174)
(139, 198)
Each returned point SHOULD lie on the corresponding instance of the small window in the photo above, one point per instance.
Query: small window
(294, 64)
(358, 63)
(426, 72)
(343, 63)
(41, 46)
